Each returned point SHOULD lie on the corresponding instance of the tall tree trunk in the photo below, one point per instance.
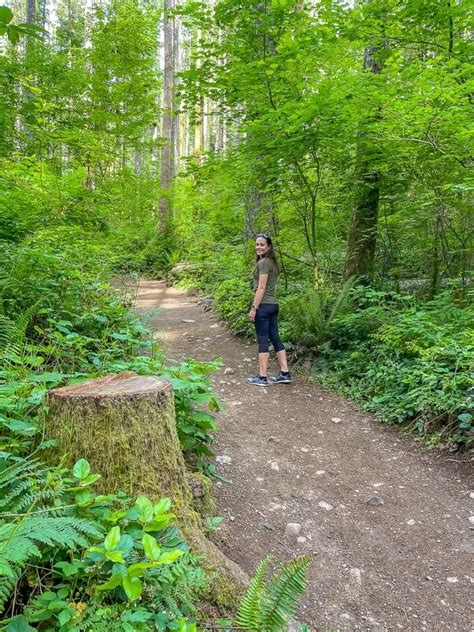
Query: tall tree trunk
(164, 209)
(175, 130)
(362, 238)
(31, 11)
(219, 138)
(198, 130)
(208, 125)
(183, 135)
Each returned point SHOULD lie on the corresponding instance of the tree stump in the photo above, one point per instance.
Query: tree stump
(125, 426)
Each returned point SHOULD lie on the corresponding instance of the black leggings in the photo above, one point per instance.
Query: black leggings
(266, 326)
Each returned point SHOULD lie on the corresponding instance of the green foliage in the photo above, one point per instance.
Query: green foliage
(232, 300)
(19, 541)
(194, 404)
(15, 31)
(268, 606)
(103, 547)
(314, 314)
(407, 364)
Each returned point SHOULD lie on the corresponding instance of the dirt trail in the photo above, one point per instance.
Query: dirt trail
(298, 454)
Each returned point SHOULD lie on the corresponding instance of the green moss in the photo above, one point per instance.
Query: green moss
(201, 487)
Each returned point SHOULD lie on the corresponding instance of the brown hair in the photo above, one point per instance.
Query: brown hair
(270, 253)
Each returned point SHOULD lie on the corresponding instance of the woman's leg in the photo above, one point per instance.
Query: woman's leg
(262, 323)
(263, 364)
(276, 341)
(282, 361)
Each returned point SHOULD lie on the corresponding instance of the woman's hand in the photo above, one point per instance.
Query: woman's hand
(252, 313)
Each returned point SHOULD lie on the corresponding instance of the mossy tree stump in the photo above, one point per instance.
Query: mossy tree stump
(125, 426)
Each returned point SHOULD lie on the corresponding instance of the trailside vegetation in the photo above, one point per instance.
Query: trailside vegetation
(134, 137)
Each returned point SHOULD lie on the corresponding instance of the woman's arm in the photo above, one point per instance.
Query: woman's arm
(262, 284)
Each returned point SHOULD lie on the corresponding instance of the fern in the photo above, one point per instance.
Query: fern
(283, 594)
(7, 586)
(13, 334)
(314, 315)
(249, 614)
(22, 540)
(342, 299)
(175, 586)
(269, 606)
(20, 485)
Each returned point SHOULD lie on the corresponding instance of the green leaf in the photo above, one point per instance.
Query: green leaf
(55, 378)
(160, 522)
(13, 34)
(150, 546)
(112, 538)
(145, 506)
(6, 15)
(65, 615)
(138, 569)
(91, 479)
(162, 506)
(115, 556)
(81, 469)
(84, 498)
(114, 516)
(67, 568)
(19, 624)
(125, 544)
(132, 586)
(169, 558)
(136, 616)
(113, 582)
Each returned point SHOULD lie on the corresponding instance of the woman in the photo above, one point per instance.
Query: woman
(264, 313)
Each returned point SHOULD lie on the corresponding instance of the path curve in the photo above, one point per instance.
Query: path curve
(405, 564)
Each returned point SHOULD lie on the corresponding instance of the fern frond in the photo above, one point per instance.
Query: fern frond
(20, 485)
(342, 298)
(281, 600)
(170, 604)
(13, 333)
(176, 585)
(20, 541)
(248, 615)
(7, 584)
(7, 331)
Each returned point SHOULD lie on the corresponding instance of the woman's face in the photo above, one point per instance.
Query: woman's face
(261, 246)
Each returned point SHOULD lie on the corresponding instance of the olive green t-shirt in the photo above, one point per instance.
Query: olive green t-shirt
(266, 266)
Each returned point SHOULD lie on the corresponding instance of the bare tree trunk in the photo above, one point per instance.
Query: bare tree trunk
(164, 209)
(175, 118)
(208, 125)
(138, 161)
(219, 138)
(31, 11)
(224, 134)
(362, 238)
(198, 131)
(183, 135)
